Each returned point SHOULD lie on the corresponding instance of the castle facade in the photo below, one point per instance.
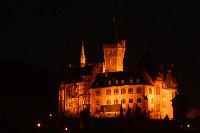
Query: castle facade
(108, 90)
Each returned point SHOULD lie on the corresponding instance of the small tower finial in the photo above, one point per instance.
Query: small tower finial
(82, 58)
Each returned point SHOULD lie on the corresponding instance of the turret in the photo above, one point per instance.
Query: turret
(82, 57)
(114, 52)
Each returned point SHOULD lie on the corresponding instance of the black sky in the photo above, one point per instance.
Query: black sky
(49, 33)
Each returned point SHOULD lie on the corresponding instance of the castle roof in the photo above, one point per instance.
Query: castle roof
(136, 77)
(114, 34)
(74, 74)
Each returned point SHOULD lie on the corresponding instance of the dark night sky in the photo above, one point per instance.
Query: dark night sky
(49, 33)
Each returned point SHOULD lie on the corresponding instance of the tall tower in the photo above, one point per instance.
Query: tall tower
(82, 57)
(114, 52)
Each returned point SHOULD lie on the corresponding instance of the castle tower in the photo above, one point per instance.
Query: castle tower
(114, 52)
(82, 57)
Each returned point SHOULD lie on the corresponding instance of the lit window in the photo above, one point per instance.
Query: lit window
(108, 102)
(158, 90)
(97, 92)
(123, 101)
(108, 92)
(139, 90)
(97, 102)
(139, 100)
(109, 82)
(130, 90)
(131, 100)
(123, 91)
(150, 91)
(158, 108)
(116, 82)
(116, 101)
(122, 81)
(116, 91)
(138, 80)
(131, 81)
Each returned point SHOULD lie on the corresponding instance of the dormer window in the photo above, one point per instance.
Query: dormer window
(131, 81)
(109, 82)
(116, 82)
(122, 81)
(138, 80)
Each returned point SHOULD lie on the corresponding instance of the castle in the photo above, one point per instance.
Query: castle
(105, 88)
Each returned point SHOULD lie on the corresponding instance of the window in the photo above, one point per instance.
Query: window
(123, 91)
(109, 82)
(123, 101)
(97, 102)
(130, 100)
(139, 100)
(122, 81)
(138, 80)
(139, 90)
(97, 92)
(130, 90)
(157, 107)
(108, 92)
(108, 102)
(150, 91)
(131, 81)
(116, 91)
(116, 82)
(158, 90)
(116, 101)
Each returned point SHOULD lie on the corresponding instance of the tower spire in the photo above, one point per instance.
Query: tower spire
(114, 35)
(82, 57)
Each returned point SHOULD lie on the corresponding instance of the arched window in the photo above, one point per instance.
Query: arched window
(138, 80)
(139, 90)
(123, 91)
(130, 90)
(97, 92)
(116, 91)
(109, 82)
(108, 102)
(150, 91)
(116, 82)
(122, 82)
(139, 100)
(97, 102)
(130, 100)
(123, 101)
(116, 101)
(108, 92)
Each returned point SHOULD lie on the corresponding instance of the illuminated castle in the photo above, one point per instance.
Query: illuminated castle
(106, 89)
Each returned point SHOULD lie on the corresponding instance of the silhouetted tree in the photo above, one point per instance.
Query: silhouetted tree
(85, 118)
(121, 115)
(128, 115)
(138, 114)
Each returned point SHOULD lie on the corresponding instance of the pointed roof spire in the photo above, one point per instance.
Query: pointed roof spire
(82, 58)
(114, 34)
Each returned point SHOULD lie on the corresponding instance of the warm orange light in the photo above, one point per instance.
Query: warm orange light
(66, 128)
(50, 115)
